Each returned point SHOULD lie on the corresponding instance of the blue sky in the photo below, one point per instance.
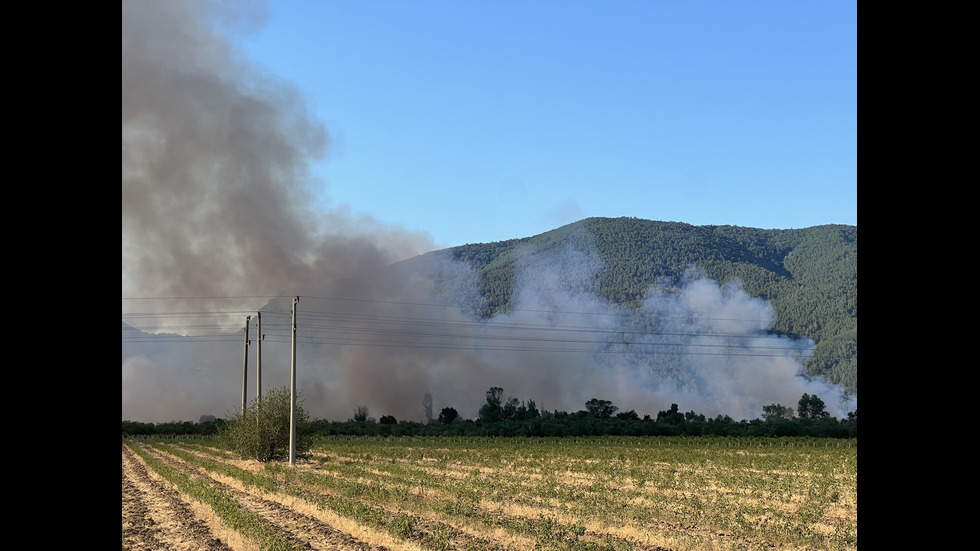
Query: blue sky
(485, 121)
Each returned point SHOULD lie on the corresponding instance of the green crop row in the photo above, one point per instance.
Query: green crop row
(601, 493)
(787, 490)
(228, 509)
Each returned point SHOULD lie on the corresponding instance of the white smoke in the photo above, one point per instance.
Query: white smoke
(217, 208)
(704, 346)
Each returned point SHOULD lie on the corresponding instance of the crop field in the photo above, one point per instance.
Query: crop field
(441, 493)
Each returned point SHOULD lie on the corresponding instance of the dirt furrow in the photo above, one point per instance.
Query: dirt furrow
(304, 530)
(155, 517)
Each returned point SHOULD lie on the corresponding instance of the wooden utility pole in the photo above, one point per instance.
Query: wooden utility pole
(245, 364)
(292, 392)
(258, 355)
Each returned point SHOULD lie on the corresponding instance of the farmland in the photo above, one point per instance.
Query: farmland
(441, 493)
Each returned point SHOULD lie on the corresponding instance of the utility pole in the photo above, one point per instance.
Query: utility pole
(245, 364)
(258, 374)
(258, 355)
(292, 392)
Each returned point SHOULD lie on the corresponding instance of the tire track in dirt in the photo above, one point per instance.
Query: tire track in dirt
(463, 535)
(289, 519)
(303, 530)
(155, 517)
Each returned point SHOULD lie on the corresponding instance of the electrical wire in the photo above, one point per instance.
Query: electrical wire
(326, 327)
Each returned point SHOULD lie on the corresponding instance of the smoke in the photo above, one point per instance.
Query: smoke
(217, 194)
(218, 207)
(218, 198)
(408, 341)
(413, 343)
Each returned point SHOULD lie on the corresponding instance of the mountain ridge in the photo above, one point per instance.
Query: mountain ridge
(808, 275)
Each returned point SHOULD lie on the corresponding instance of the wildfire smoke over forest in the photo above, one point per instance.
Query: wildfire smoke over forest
(220, 220)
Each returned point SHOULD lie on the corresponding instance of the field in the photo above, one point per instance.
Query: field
(601, 493)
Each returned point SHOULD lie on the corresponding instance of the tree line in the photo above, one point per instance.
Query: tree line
(513, 417)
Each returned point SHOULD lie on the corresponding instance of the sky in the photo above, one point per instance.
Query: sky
(300, 149)
(485, 121)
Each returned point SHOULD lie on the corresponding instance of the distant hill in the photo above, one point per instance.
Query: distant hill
(808, 275)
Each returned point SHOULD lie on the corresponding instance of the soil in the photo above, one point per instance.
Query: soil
(155, 516)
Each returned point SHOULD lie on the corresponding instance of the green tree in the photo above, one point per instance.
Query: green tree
(600, 409)
(694, 417)
(670, 417)
(361, 415)
(530, 410)
(262, 430)
(811, 407)
(448, 415)
(630, 415)
(776, 412)
(492, 411)
(511, 410)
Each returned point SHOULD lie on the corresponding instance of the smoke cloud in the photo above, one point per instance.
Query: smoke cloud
(217, 208)
(217, 195)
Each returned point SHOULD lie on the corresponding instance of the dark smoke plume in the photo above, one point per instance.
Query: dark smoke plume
(218, 207)
(217, 194)
(216, 187)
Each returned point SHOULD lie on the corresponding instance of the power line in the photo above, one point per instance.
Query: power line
(375, 330)
(241, 297)
(286, 313)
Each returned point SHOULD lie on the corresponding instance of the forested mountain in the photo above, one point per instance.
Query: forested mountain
(808, 275)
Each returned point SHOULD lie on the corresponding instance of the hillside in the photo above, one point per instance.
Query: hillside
(809, 276)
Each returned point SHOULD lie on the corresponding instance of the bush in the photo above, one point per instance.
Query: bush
(262, 431)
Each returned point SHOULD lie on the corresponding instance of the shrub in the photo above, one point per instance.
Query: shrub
(262, 431)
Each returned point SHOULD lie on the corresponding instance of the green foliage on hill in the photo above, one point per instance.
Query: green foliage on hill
(809, 275)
